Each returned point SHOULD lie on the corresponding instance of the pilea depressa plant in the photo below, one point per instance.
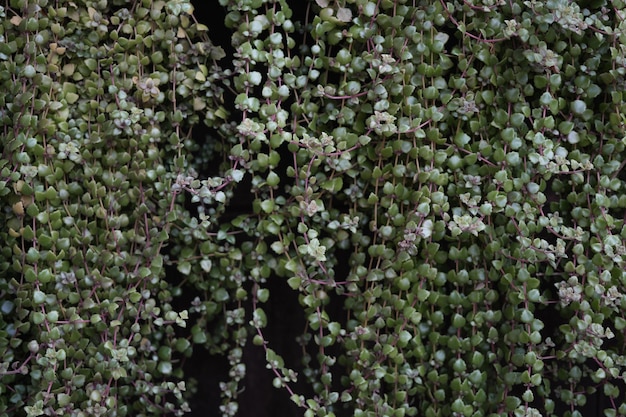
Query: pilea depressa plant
(437, 183)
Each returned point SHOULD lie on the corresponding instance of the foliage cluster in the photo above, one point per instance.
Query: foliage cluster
(96, 109)
(450, 172)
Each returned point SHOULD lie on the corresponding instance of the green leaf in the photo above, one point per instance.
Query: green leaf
(262, 294)
(404, 338)
(184, 267)
(221, 295)
(294, 282)
(267, 206)
(259, 319)
(165, 368)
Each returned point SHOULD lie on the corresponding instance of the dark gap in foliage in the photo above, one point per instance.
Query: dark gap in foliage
(599, 401)
(553, 319)
(285, 322)
(335, 308)
(211, 14)
(203, 371)
(206, 370)
(212, 142)
(285, 317)
(301, 17)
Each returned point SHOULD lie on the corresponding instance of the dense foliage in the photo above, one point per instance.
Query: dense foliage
(97, 105)
(448, 172)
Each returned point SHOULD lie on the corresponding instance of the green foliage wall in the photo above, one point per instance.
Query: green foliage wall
(449, 172)
(97, 104)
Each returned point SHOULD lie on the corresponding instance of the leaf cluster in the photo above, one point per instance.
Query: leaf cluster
(451, 172)
(98, 101)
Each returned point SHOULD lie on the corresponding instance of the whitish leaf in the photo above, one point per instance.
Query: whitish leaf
(184, 267)
(206, 265)
(237, 175)
(344, 14)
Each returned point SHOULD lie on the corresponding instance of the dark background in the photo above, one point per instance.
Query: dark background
(285, 318)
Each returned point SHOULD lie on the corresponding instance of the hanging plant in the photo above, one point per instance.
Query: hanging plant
(448, 173)
(97, 107)
(461, 160)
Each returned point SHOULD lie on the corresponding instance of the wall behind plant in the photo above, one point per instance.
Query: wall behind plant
(433, 189)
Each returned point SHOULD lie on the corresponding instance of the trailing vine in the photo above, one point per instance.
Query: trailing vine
(448, 173)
